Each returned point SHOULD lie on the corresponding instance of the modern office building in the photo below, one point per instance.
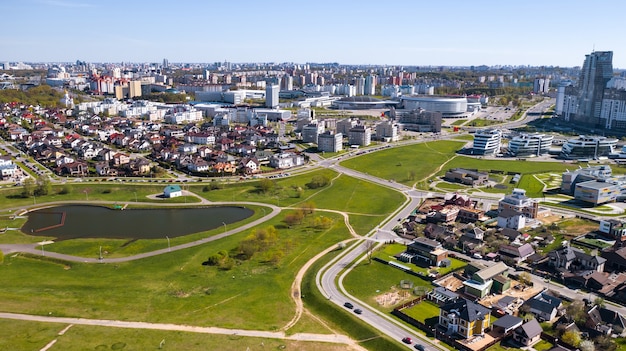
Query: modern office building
(330, 142)
(271, 95)
(526, 145)
(487, 142)
(588, 147)
(569, 179)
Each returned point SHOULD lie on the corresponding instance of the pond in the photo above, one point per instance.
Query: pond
(81, 221)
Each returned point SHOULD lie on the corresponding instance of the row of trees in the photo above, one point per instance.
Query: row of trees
(36, 187)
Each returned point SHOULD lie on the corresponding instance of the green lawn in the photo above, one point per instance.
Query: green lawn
(406, 164)
(369, 280)
(170, 288)
(389, 251)
(417, 162)
(459, 122)
(423, 311)
(446, 186)
(23, 335)
(543, 345)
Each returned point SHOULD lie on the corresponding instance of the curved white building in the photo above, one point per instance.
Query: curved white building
(525, 145)
(449, 106)
(588, 147)
(487, 142)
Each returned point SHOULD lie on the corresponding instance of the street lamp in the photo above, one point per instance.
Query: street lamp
(168, 243)
(224, 227)
(135, 195)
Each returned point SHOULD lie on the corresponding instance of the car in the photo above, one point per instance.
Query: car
(419, 347)
(407, 340)
(348, 305)
(358, 311)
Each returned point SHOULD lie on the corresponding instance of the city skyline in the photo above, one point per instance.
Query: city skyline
(410, 33)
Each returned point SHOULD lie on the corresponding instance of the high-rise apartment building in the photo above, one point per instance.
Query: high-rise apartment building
(271, 95)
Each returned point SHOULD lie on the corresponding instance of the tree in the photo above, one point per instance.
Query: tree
(605, 343)
(369, 247)
(571, 337)
(576, 310)
(308, 208)
(266, 185)
(43, 186)
(294, 218)
(599, 302)
(587, 345)
(318, 181)
(525, 278)
(29, 187)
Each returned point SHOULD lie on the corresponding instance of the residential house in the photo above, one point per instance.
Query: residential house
(519, 202)
(486, 279)
(508, 218)
(605, 321)
(615, 259)
(544, 306)
(463, 318)
(120, 159)
(528, 333)
(198, 165)
(286, 160)
(507, 323)
(516, 253)
(425, 251)
(250, 165)
(573, 259)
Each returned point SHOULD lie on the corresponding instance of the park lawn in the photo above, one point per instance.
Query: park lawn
(423, 311)
(170, 288)
(459, 122)
(88, 191)
(356, 196)
(406, 164)
(283, 192)
(363, 224)
(466, 137)
(514, 166)
(498, 347)
(27, 335)
(451, 186)
(34, 336)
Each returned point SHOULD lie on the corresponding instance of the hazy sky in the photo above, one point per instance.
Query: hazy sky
(403, 32)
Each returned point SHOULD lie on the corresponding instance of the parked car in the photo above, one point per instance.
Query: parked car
(407, 340)
(348, 305)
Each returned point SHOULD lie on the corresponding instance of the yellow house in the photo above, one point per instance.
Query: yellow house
(464, 318)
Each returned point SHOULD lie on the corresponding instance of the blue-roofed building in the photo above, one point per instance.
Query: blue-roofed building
(171, 191)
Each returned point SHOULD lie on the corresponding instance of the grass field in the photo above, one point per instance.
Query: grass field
(406, 164)
(172, 288)
(423, 311)
(22, 335)
(389, 251)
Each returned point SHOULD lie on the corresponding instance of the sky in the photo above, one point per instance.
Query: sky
(403, 32)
